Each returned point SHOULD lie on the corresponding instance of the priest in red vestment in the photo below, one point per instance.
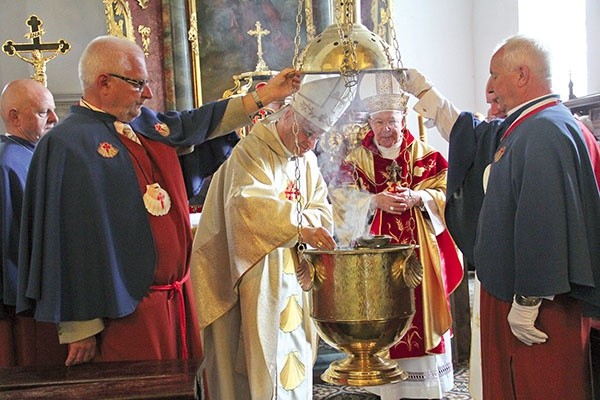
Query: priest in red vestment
(407, 182)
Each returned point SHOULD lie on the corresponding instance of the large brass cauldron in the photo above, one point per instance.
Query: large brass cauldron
(362, 304)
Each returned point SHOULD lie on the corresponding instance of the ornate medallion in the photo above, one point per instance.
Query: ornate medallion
(156, 200)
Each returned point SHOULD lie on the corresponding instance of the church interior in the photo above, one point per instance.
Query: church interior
(200, 51)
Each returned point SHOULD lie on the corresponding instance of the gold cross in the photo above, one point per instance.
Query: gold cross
(37, 49)
(259, 33)
(393, 171)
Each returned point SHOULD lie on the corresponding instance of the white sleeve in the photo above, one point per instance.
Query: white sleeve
(434, 213)
(73, 331)
(438, 111)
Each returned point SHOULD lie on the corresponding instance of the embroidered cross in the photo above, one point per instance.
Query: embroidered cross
(161, 197)
(291, 191)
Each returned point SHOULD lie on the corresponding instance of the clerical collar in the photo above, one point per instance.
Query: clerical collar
(390, 153)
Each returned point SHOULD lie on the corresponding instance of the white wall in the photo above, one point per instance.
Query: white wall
(451, 42)
(75, 21)
(435, 38)
(593, 34)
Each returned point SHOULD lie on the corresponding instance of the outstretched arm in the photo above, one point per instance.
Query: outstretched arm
(432, 105)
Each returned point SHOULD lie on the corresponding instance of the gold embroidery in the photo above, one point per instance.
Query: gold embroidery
(293, 372)
(162, 128)
(291, 316)
(107, 150)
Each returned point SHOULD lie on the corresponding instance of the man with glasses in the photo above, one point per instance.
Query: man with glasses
(259, 339)
(106, 240)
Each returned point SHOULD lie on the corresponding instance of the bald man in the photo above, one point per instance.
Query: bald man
(27, 110)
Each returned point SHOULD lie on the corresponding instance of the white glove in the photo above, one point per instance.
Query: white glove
(416, 82)
(521, 320)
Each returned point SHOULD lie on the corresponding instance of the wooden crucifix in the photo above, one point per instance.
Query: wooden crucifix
(36, 48)
(259, 32)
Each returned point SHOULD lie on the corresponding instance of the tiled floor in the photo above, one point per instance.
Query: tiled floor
(323, 391)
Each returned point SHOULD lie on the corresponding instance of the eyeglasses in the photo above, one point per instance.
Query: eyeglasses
(379, 123)
(139, 85)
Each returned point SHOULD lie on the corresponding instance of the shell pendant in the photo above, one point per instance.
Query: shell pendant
(156, 200)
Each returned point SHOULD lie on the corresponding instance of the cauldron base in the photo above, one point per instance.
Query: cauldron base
(363, 370)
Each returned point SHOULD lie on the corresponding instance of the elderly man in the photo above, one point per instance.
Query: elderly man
(106, 243)
(535, 247)
(260, 341)
(27, 110)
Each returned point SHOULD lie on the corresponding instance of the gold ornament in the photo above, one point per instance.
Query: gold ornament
(291, 316)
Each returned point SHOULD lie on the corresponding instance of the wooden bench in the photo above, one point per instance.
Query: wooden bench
(169, 379)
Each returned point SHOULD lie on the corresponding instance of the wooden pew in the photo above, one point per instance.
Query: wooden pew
(169, 379)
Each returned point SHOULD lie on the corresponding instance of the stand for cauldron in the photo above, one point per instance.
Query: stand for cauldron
(362, 304)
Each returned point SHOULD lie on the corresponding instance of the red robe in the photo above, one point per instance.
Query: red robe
(25, 342)
(153, 331)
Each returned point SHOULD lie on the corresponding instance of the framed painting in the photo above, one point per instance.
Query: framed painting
(228, 42)
(239, 36)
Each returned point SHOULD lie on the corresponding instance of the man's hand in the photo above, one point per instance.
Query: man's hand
(521, 320)
(319, 238)
(81, 351)
(416, 83)
(398, 202)
(280, 86)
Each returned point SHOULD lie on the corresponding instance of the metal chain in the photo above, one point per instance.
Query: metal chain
(297, 38)
(297, 63)
(297, 177)
(399, 66)
(344, 11)
(399, 69)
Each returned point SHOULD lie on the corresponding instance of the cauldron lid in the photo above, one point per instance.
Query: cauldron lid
(374, 241)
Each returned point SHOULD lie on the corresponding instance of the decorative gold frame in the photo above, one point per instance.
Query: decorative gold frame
(118, 19)
(195, 52)
(377, 20)
(206, 40)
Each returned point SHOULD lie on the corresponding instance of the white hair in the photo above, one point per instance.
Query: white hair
(106, 54)
(522, 50)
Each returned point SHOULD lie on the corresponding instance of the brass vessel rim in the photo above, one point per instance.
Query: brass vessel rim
(363, 250)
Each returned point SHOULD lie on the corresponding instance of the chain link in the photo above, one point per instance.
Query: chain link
(297, 38)
(344, 11)
(297, 177)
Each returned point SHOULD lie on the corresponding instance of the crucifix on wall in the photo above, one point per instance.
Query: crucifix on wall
(36, 48)
(259, 32)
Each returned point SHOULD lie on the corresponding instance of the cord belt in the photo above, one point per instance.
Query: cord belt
(177, 286)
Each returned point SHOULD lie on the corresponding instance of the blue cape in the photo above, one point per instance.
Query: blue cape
(86, 248)
(14, 163)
